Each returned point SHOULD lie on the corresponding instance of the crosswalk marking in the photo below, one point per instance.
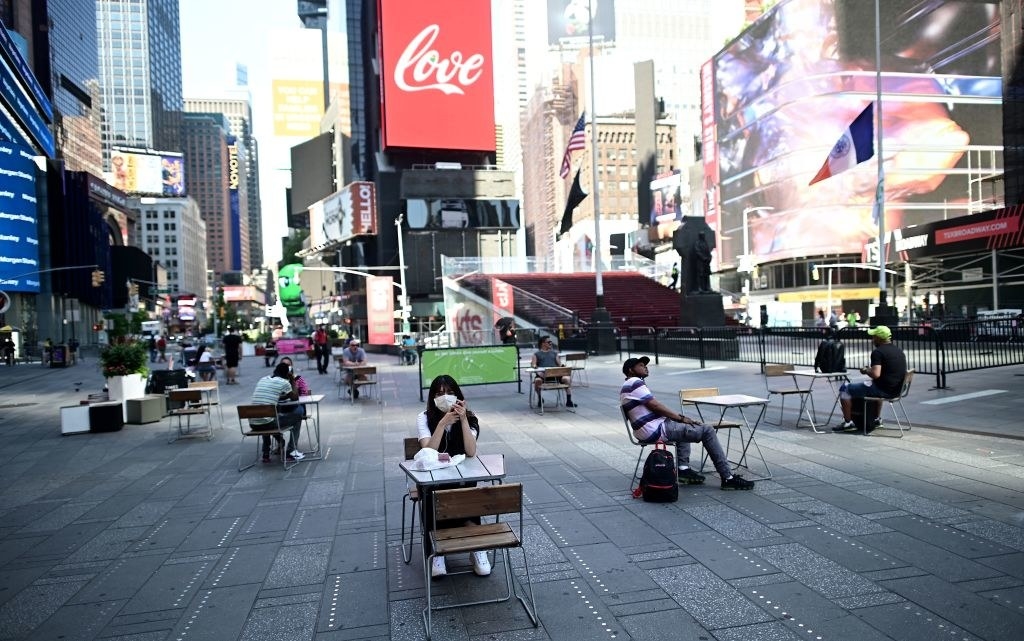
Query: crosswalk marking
(964, 397)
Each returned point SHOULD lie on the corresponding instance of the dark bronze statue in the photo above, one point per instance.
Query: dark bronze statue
(692, 242)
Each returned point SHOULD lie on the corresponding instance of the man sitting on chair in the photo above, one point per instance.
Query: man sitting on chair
(653, 422)
(270, 390)
(546, 356)
(351, 356)
(887, 371)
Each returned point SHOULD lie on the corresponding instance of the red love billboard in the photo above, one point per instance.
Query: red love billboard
(437, 75)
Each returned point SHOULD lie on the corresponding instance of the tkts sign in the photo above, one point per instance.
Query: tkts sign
(437, 77)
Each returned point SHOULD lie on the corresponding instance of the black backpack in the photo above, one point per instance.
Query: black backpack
(658, 483)
(831, 357)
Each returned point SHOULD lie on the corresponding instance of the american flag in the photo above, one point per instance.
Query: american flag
(577, 140)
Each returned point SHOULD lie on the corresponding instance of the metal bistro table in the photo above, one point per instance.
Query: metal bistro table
(726, 402)
(813, 376)
(316, 452)
(210, 389)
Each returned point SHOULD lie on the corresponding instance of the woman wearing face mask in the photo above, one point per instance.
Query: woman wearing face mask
(449, 427)
(303, 388)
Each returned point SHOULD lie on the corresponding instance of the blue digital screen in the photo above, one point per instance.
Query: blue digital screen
(19, 232)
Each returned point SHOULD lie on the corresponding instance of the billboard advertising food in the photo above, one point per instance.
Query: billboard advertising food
(460, 213)
(350, 212)
(436, 74)
(784, 90)
(137, 172)
(568, 21)
(380, 310)
(19, 241)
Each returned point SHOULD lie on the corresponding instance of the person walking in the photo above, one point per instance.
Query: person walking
(322, 350)
(232, 355)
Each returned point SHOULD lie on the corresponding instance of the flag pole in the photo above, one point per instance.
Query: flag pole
(598, 281)
(883, 311)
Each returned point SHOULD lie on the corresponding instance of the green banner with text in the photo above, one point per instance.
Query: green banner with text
(471, 365)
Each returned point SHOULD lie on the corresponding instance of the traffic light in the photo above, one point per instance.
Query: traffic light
(98, 277)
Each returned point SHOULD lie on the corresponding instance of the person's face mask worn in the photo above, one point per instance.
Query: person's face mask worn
(445, 402)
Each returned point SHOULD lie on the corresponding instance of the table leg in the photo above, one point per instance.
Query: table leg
(750, 441)
(804, 398)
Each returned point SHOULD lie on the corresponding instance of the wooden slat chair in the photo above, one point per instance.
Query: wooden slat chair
(775, 383)
(556, 385)
(412, 494)
(246, 412)
(578, 362)
(720, 424)
(908, 378)
(467, 503)
(185, 404)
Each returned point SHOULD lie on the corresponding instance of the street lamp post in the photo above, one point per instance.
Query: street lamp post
(403, 296)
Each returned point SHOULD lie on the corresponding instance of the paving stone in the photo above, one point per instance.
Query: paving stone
(361, 552)
(311, 523)
(1011, 598)
(78, 622)
(585, 495)
(722, 556)
(282, 623)
(171, 587)
(569, 609)
(607, 570)
(911, 502)
(908, 622)
(327, 492)
(953, 539)
(353, 600)
(361, 505)
(849, 552)
(1012, 564)
(623, 528)
(729, 522)
(106, 545)
(1000, 533)
(707, 598)
(816, 571)
(121, 580)
(974, 613)
(65, 541)
(241, 565)
(758, 507)
(299, 565)
(237, 504)
(655, 626)
(933, 559)
(1001, 582)
(666, 518)
(32, 606)
(15, 580)
(570, 528)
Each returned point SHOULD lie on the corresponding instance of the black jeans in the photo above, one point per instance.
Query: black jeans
(286, 420)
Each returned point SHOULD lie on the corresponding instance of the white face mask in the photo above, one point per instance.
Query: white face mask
(445, 402)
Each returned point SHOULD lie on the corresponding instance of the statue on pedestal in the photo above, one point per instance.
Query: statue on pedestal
(693, 242)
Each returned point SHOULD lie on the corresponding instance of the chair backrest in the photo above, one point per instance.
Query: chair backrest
(629, 426)
(185, 395)
(695, 392)
(557, 372)
(777, 370)
(485, 500)
(908, 378)
(574, 357)
(257, 411)
(412, 445)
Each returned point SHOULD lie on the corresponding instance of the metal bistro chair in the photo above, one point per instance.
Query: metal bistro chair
(553, 382)
(685, 396)
(187, 403)
(578, 362)
(412, 494)
(246, 412)
(908, 378)
(632, 439)
(777, 388)
(467, 503)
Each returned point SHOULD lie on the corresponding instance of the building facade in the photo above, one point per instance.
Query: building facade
(210, 164)
(172, 231)
(239, 114)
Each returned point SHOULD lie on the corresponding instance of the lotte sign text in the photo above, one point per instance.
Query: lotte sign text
(437, 74)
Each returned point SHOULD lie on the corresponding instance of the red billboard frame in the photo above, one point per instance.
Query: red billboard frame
(437, 77)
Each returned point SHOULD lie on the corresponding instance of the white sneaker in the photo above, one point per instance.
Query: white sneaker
(481, 566)
(297, 455)
(437, 567)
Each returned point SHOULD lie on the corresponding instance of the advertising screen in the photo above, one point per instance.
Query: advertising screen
(667, 203)
(136, 172)
(783, 92)
(568, 21)
(471, 365)
(458, 213)
(349, 212)
(380, 310)
(19, 241)
(436, 74)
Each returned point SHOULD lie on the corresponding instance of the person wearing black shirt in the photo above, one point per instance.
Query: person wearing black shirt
(232, 355)
(887, 370)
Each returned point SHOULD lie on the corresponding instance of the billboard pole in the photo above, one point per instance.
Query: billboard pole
(884, 314)
(603, 339)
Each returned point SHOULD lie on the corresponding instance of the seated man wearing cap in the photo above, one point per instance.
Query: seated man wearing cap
(887, 369)
(652, 422)
(352, 355)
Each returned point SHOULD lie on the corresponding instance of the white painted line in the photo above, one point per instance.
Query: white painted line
(964, 397)
(695, 371)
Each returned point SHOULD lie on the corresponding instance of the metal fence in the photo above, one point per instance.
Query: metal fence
(931, 350)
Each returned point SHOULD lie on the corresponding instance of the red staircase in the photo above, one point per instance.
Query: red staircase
(632, 300)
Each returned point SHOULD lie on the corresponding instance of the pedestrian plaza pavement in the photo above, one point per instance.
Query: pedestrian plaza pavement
(123, 536)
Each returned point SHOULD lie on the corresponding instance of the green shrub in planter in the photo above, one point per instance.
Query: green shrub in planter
(122, 359)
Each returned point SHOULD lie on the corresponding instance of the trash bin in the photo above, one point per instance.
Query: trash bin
(59, 356)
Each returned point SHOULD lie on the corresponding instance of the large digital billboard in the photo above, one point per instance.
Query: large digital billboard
(461, 213)
(347, 213)
(19, 234)
(436, 74)
(776, 99)
(138, 172)
(568, 21)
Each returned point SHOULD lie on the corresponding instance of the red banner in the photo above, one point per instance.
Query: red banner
(380, 310)
(501, 298)
(437, 74)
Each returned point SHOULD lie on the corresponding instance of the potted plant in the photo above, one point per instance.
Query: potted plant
(124, 365)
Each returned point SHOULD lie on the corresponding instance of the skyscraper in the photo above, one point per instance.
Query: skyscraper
(239, 114)
(140, 74)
